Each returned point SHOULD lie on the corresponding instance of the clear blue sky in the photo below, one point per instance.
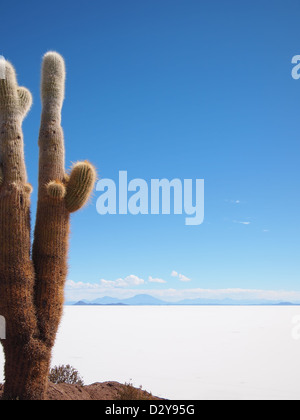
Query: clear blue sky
(175, 89)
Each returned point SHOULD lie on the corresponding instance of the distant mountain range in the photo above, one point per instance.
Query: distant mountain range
(147, 300)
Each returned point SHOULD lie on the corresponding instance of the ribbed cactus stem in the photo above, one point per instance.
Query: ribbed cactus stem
(80, 185)
(51, 138)
(15, 102)
(16, 269)
(53, 85)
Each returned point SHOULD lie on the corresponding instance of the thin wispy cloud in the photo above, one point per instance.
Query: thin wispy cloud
(233, 201)
(241, 222)
(156, 280)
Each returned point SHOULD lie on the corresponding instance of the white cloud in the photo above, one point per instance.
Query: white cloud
(128, 281)
(181, 277)
(156, 280)
(80, 290)
(72, 285)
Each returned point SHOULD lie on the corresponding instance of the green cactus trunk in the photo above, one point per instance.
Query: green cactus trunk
(32, 288)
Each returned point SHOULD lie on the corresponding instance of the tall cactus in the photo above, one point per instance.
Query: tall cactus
(32, 280)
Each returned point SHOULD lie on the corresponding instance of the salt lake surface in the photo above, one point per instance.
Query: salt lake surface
(182, 352)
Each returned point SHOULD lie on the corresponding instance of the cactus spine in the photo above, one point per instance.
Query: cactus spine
(32, 281)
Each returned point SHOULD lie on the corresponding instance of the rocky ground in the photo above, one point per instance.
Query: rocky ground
(97, 391)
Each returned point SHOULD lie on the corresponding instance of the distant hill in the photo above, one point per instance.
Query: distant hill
(148, 300)
(136, 300)
(106, 300)
(144, 300)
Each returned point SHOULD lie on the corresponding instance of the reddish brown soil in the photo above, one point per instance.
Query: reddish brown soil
(97, 391)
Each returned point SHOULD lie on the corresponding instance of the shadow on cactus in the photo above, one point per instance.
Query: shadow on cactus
(32, 276)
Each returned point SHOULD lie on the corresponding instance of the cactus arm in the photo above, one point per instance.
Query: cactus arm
(25, 100)
(80, 185)
(56, 190)
(51, 138)
(15, 102)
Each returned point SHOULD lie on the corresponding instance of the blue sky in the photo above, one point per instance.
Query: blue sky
(175, 89)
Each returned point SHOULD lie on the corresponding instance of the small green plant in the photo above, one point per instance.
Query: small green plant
(129, 393)
(65, 375)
